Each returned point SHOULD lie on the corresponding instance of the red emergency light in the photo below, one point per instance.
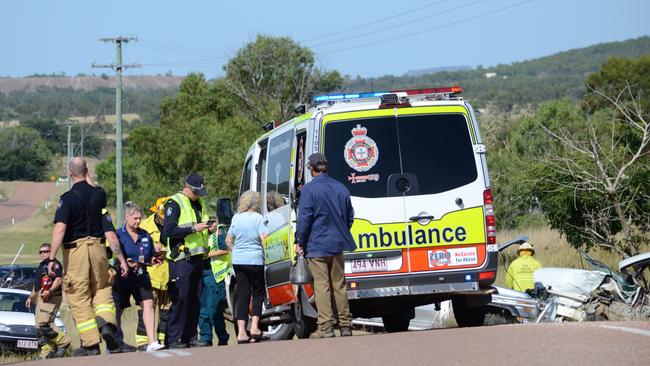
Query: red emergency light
(446, 90)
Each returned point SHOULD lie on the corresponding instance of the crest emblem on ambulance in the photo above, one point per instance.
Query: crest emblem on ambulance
(361, 151)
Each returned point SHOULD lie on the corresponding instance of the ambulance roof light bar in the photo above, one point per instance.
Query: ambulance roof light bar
(336, 97)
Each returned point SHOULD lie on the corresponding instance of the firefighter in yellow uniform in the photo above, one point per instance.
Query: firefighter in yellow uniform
(80, 228)
(519, 275)
(159, 276)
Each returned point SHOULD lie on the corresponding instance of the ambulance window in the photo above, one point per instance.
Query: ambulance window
(364, 175)
(438, 150)
(246, 175)
(278, 173)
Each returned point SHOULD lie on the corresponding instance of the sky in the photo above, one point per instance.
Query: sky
(365, 38)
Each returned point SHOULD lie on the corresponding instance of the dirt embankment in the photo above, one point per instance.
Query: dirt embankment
(25, 201)
(8, 85)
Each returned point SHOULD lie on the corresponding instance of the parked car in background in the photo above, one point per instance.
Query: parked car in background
(17, 326)
(20, 276)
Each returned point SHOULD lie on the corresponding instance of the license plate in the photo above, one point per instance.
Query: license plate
(369, 265)
(25, 343)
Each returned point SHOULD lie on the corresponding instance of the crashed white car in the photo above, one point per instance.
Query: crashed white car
(17, 323)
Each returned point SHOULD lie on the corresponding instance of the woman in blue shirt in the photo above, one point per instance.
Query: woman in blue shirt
(138, 249)
(245, 236)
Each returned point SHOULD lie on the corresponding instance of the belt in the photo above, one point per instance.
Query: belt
(72, 245)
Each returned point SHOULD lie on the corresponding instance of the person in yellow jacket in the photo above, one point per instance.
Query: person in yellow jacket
(519, 275)
(159, 274)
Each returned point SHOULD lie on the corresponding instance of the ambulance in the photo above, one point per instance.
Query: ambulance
(414, 163)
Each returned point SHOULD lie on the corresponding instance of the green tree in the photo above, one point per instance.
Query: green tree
(271, 75)
(24, 155)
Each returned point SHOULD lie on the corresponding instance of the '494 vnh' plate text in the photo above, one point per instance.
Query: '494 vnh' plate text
(369, 265)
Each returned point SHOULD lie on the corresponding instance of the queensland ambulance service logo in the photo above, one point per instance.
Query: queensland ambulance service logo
(361, 151)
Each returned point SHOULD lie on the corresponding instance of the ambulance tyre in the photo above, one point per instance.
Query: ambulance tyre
(279, 332)
(303, 325)
(467, 316)
(398, 322)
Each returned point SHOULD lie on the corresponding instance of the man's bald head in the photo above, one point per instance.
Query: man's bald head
(78, 168)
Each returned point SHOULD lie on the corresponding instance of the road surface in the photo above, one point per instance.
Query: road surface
(595, 343)
(23, 203)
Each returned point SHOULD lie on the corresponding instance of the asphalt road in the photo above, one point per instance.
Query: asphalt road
(24, 202)
(597, 343)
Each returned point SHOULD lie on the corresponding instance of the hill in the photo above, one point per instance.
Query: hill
(86, 83)
(519, 85)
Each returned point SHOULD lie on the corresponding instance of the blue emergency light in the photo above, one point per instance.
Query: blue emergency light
(328, 97)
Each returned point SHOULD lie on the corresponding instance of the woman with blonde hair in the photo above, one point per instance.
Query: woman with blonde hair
(245, 236)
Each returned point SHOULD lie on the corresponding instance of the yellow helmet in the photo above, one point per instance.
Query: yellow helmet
(159, 207)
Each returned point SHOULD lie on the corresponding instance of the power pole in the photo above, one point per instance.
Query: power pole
(118, 67)
(69, 151)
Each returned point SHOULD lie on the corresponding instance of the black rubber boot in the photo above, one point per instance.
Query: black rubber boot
(108, 335)
(86, 351)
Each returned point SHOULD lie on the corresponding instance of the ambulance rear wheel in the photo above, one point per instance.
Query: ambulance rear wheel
(468, 316)
(279, 332)
(398, 322)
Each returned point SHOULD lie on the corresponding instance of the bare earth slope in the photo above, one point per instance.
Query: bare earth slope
(23, 203)
(8, 85)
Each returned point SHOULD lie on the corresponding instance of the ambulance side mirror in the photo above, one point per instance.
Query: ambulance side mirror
(224, 211)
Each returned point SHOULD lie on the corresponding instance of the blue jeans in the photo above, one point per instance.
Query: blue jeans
(213, 303)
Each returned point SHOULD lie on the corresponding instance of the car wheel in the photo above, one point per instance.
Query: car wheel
(398, 322)
(468, 316)
(279, 332)
(303, 325)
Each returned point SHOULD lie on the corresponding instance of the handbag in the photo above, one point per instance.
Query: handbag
(299, 273)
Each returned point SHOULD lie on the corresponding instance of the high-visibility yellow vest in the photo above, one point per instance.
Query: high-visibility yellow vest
(519, 275)
(159, 274)
(220, 265)
(195, 243)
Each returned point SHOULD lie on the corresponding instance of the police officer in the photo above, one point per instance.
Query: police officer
(186, 231)
(80, 226)
(46, 291)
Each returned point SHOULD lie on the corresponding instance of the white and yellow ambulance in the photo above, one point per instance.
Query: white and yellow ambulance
(414, 163)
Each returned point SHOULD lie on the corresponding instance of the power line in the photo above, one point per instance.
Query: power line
(373, 22)
(426, 30)
(171, 47)
(398, 25)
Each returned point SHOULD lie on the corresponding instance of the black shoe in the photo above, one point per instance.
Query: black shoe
(86, 351)
(177, 344)
(222, 342)
(201, 343)
(142, 348)
(126, 348)
(346, 332)
(108, 334)
(60, 352)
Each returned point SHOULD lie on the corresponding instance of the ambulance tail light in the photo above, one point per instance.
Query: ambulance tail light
(487, 275)
(490, 224)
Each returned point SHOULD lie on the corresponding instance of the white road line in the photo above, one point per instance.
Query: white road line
(628, 329)
(160, 354)
(179, 352)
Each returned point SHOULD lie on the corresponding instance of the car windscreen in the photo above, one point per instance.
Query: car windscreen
(434, 149)
(14, 302)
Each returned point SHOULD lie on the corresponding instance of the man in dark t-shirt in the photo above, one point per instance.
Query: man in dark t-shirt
(46, 292)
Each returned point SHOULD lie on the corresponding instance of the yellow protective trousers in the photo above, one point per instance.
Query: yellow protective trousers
(50, 337)
(87, 283)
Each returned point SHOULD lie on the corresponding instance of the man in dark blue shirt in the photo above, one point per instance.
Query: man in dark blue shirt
(325, 216)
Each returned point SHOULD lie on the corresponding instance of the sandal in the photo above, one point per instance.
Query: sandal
(260, 337)
(239, 341)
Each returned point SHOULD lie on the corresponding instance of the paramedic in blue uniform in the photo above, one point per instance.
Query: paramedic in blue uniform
(186, 231)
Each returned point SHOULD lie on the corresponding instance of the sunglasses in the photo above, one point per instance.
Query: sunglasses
(43, 251)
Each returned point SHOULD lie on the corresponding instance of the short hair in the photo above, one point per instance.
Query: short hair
(78, 167)
(130, 208)
(249, 201)
(45, 245)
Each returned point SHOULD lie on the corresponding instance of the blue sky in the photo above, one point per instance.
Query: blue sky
(367, 38)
